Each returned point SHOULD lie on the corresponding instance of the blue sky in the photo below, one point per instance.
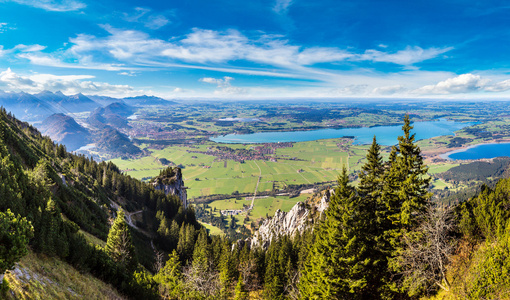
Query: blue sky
(257, 49)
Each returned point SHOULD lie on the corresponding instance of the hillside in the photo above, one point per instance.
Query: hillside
(64, 130)
(114, 115)
(41, 277)
(69, 199)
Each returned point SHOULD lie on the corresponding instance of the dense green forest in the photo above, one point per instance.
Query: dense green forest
(382, 239)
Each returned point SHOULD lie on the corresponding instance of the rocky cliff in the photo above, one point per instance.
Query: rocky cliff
(283, 223)
(170, 181)
(299, 218)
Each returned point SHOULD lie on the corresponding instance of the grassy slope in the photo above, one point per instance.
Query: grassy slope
(42, 277)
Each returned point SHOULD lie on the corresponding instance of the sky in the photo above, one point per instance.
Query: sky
(263, 49)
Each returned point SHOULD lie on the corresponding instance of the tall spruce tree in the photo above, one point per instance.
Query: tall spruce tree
(413, 182)
(240, 292)
(324, 276)
(406, 197)
(170, 278)
(119, 245)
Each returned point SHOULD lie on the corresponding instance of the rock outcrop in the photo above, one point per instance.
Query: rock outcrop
(170, 181)
(324, 203)
(283, 223)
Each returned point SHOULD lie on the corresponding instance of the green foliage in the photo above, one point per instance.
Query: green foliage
(170, 278)
(15, 232)
(144, 286)
(478, 170)
(280, 260)
(119, 245)
(240, 293)
(356, 243)
(4, 287)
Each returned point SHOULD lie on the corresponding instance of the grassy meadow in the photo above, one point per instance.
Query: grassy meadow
(305, 163)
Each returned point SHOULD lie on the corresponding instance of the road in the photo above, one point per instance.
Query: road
(257, 187)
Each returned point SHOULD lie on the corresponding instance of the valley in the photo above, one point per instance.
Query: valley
(281, 152)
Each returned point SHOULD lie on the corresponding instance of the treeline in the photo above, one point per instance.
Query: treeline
(478, 170)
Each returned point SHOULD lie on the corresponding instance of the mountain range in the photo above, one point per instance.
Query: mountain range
(37, 107)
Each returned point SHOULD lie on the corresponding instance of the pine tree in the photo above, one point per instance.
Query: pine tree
(413, 184)
(227, 268)
(119, 245)
(202, 251)
(406, 197)
(324, 275)
(240, 292)
(372, 223)
(15, 232)
(170, 277)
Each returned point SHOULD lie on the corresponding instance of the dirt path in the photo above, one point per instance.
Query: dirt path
(257, 187)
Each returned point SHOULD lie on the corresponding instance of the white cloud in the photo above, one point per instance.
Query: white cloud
(281, 6)
(224, 86)
(53, 5)
(156, 21)
(388, 90)
(68, 84)
(2, 27)
(501, 86)
(130, 73)
(464, 83)
(29, 48)
(42, 59)
(21, 49)
(147, 18)
(178, 90)
(214, 47)
(408, 56)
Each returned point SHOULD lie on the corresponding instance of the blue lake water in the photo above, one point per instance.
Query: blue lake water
(481, 151)
(386, 135)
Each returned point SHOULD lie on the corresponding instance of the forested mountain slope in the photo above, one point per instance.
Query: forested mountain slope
(63, 194)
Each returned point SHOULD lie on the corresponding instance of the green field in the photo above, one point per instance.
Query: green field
(305, 163)
(315, 162)
(213, 230)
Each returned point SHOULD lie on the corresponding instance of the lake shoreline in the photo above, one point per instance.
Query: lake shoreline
(386, 135)
(446, 155)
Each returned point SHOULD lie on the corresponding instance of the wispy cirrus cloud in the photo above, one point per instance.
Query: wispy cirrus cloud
(147, 17)
(281, 6)
(203, 46)
(231, 51)
(68, 84)
(21, 49)
(53, 5)
(408, 56)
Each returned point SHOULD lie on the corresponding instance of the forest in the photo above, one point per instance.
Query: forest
(383, 238)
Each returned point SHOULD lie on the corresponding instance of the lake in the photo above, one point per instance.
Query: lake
(480, 151)
(386, 135)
